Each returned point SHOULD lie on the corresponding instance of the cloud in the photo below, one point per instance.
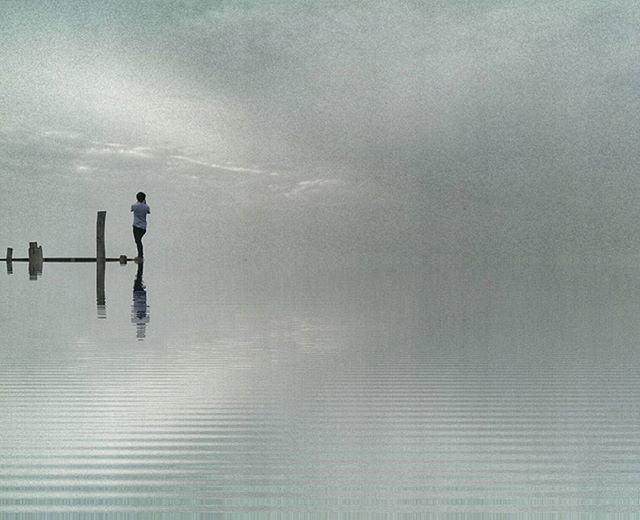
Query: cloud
(63, 135)
(130, 153)
(413, 88)
(109, 145)
(304, 189)
(222, 167)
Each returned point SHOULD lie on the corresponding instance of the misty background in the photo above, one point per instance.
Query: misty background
(322, 133)
(391, 262)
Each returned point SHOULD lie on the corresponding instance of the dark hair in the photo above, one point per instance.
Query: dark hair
(141, 196)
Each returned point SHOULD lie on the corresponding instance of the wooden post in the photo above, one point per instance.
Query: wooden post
(101, 257)
(40, 259)
(35, 265)
(123, 259)
(100, 250)
(9, 260)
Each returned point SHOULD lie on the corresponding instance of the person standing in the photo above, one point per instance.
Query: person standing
(140, 211)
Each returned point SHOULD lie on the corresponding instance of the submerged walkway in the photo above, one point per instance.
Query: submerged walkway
(122, 259)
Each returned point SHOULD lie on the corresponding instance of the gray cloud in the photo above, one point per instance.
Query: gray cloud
(505, 126)
(304, 189)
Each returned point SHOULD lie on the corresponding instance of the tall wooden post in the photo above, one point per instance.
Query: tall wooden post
(100, 250)
(100, 265)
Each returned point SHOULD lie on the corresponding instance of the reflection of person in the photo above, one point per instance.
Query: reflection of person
(140, 212)
(140, 309)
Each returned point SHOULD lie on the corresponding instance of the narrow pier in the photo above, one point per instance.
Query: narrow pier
(36, 257)
(85, 259)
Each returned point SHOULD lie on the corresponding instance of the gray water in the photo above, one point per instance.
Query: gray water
(447, 387)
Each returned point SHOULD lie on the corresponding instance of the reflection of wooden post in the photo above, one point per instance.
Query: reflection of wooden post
(101, 300)
(100, 250)
(9, 260)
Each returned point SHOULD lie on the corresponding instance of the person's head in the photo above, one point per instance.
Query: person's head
(141, 196)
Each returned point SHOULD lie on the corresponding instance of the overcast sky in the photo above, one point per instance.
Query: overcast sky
(394, 129)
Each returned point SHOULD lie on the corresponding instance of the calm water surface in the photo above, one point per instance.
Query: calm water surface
(445, 388)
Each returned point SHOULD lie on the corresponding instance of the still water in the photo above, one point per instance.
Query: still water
(449, 387)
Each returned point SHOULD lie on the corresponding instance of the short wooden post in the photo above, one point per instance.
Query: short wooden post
(9, 259)
(100, 249)
(123, 259)
(40, 259)
(35, 265)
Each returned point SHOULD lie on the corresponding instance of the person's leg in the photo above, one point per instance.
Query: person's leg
(140, 252)
(136, 239)
(138, 233)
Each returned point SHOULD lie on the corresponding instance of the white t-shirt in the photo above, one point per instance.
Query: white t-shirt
(140, 211)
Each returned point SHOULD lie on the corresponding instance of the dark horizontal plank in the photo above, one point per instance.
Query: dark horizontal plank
(65, 259)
